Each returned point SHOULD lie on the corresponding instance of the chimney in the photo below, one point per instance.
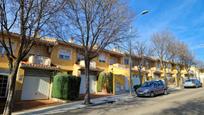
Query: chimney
(116, 49)
(71, 40)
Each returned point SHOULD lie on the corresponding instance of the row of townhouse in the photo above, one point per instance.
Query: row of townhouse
(49, 56)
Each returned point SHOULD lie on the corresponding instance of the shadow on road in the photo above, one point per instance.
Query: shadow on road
(195, 107)
(100, 109)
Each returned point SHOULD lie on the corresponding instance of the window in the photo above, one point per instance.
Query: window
(158, 65)
(65, 54)
(113, 60)
(126, 61)
(80, 57)
(169, 66)
(178, 68)
(147, 64)
(1, 50)
(102, 58)
(3, 85)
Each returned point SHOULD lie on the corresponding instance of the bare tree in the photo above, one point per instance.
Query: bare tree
(94, 24)
(140, 50)
(199, 64)
(181, 56)
(186, 57)
(27, 18)
(161, 44)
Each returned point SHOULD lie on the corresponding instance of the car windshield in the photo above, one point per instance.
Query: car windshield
(147, 84)
(190, 80)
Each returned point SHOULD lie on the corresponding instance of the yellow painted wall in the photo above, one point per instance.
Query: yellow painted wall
(3, 59)
(68, 64)
(41, 50)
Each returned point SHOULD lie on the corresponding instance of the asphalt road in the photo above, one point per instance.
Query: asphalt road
(184, 102)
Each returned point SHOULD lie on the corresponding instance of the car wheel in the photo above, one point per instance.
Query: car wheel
(152, 94)
(165, 92)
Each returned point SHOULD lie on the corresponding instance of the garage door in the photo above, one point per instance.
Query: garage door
(35, 88)
(92, 84)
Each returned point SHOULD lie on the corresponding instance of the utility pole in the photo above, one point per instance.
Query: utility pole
(130, 64)
(130, 54)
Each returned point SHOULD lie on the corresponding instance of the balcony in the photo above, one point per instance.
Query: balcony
(156, 69)
(34, 59)
(136, 68)
(92, 64)
(121, 66)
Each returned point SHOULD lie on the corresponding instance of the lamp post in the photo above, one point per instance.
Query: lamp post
(130, 55)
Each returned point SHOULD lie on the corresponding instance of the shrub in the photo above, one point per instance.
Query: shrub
(105, 80)
(136, 87)
(100, 81)
(65, 86)
(110, 83)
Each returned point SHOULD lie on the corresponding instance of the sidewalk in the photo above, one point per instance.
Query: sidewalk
(79, 104)
(71, 106)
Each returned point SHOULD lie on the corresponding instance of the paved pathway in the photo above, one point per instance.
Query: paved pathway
(97, 105)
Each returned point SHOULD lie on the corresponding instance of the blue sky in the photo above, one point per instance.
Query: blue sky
(184, 18)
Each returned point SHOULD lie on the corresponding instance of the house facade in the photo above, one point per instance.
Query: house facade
(49, 56)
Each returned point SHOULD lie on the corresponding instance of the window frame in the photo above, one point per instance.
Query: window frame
(65, 54)
(3, 50)
(1, 86)
(102, 58)
(126, 59)
(113, 60)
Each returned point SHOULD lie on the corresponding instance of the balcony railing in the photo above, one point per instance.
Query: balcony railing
(92, 64)
(117, 65)
(34, 59)
(136, 68)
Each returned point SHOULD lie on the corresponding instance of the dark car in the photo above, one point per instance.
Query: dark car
(152, 88)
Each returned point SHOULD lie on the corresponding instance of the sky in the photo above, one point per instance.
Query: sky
(184, 18)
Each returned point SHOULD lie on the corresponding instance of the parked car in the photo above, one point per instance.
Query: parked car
(192, 83)
(152, 88)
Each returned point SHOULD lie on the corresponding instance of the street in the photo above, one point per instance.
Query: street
(183, 102)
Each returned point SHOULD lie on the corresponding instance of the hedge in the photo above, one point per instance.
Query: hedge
(110, 82)
(105, 80)
(66, 86)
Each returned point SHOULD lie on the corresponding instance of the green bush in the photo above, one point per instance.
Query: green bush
(105, 80)
(110, 83)
(65, 86)
(100, 81)
(136, 87)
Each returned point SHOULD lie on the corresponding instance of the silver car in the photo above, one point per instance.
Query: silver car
(152, 88)
(192, 83)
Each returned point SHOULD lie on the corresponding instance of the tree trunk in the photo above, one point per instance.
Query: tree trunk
(179, 79)
(165, 77)
(87, 95)
(163, 66)
(11, 89)
(140, 75)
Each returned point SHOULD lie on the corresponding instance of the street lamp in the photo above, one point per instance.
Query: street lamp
(144, 12)
(130, 53)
